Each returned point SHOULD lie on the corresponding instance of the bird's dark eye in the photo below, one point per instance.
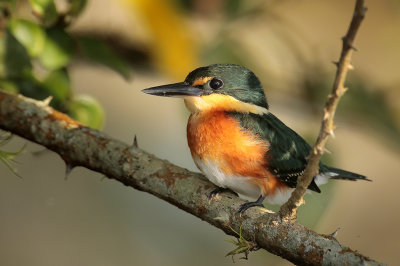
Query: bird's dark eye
(215, 84)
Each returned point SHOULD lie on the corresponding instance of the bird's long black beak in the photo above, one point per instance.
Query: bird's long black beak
(180, 89)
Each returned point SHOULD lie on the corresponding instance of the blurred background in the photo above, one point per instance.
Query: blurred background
(94, 57)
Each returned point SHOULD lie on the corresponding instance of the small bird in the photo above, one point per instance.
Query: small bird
(236, 142)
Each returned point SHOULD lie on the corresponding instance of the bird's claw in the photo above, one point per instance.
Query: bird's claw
(248, 205)
(217, 191)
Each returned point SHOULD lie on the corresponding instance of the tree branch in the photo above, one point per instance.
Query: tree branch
(81, 146)
(288, 210)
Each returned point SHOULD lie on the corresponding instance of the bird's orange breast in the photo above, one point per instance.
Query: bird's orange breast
(215, 136)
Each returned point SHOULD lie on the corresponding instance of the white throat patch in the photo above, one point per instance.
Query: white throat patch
(197, 104)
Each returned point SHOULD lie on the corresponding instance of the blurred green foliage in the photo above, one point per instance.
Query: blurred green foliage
(7, 158)
(101, 53)
(363, 104)
(35, 54)
(87, 110)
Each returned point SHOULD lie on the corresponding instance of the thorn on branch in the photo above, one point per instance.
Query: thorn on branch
(300, 202)
(325, 150)
(361, 12)
(135, 142)
(68, 169)
(331, 133)
(336, 63)
(341, 91)
(351, 67)
(47, 101)
(39, 152)
(321, 150)
(334, 234)
(354, 48)
(347, 43)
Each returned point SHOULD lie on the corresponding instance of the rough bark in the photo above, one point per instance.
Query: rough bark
(80, 145)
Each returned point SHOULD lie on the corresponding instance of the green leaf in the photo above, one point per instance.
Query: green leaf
(232, 7)
(88, 111)
(101, 53)
(29, 34)
(12, 4)
(8, 86)
(7, 158)
(31, 88)
(14, 59)
(58, 49)
(58, 85)
(46, 10)
(242, 245)
(76, 7)
(5, 137)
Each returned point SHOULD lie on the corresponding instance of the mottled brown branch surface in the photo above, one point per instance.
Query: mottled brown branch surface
(81, 146)
(288, 210)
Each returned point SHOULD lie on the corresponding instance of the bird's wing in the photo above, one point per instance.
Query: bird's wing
(287, 153)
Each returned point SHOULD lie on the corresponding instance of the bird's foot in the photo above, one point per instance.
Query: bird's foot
(248, 205)
(217, 191)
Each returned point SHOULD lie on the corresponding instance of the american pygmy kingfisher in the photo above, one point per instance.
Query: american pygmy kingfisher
(236, 142)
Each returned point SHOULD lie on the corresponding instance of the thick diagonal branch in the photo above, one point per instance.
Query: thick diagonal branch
(288, 210)
(80, 145)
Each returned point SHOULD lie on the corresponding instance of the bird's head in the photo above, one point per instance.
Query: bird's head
(223, 87)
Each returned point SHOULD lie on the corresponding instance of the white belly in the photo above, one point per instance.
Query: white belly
(239, 184)
(243, 185)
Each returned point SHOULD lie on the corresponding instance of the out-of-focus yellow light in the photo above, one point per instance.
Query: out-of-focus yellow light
(173, 48)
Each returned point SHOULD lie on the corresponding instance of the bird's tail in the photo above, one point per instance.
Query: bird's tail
(336, 173)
